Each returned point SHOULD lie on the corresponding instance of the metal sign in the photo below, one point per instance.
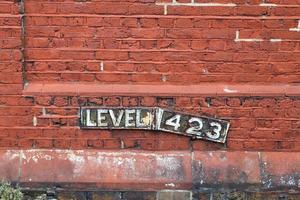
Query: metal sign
(155, 119)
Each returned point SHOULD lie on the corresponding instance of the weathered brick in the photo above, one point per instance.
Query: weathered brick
(229, 59)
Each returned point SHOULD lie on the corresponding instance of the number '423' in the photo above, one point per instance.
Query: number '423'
(196, 127)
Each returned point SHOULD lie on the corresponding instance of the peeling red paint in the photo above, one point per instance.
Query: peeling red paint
(226, 167)
(146, 169)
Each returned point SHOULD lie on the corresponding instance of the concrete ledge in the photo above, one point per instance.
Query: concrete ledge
(143, 170)
(163, 90)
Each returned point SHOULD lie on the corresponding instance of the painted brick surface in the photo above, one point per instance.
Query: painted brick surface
(231, 59)
(152, 170)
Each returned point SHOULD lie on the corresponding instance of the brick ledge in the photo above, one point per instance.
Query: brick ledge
(150, 170)
(220, 89)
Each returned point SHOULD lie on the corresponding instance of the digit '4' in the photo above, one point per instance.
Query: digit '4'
(174, 121)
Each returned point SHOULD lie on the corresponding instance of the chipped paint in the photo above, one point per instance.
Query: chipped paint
(169, 169)
(238, 39)
(297, 29)
(44, 112)
(34, 121)
(101, 66)
(268, 4)
(164, 78)
(192, 4)
(122, 144)
(275, 40)
(165, 9)
(36, 156)
(11, 155)
(170, 185)
(78, 162)
(227, 90)
(148, 119)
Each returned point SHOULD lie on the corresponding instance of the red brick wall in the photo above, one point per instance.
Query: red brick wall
(141, 42)
(148, 42)
(232, 59)
(10, 45)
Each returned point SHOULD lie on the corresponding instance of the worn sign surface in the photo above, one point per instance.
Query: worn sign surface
(117, 118)
(155, 119)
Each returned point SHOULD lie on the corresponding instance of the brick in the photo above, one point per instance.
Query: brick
(15, 111)
(43, 143)
(148, 101)
(130, 101)
(170, 143)
(148, 144)
(233, 102)
(112, 101)
(95, 101)
(111, 144)
(131, 143)
(44, 100)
